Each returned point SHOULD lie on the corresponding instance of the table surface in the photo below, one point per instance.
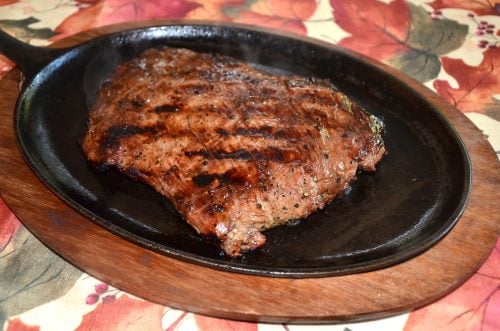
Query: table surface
(452, 47)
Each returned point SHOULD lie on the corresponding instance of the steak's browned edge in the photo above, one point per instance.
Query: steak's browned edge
(236, 150)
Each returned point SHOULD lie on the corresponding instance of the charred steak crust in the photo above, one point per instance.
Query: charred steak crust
(236, 150)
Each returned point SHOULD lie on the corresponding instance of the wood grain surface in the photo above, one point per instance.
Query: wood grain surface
(193, 288)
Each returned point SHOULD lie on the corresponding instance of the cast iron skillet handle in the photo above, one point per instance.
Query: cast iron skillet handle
(29, 58)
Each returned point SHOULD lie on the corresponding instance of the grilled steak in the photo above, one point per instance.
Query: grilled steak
(235, 149)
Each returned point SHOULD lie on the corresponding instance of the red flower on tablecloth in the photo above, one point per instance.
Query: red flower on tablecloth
(5, 65)
(377, 29)
(402, 34)
(475, 304)
(269, 21)
(480, 7)
(7, 2)
(9, 226)
(281, 14)
(210, 323)
(107, 12)
(214, 10)
(123, 313)
(102, 293)
(476, 85)
(18, 325)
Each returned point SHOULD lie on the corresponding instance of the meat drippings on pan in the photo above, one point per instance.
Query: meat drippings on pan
(236, 150)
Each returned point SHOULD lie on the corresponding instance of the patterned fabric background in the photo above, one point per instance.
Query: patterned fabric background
(451, 46)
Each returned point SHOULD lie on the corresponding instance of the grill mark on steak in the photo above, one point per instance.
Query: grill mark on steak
(137, 174)
(195, 88)
(112, 136)
(215, 208)
(233, 176)
(268, 154)
(168, 108)
(205, 179)
(235, 149)
(135, 103)
(267, 132)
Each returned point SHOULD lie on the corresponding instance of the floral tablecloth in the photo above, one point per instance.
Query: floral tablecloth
(451, 46)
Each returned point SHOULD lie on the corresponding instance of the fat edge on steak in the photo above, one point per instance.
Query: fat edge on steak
(236, 150)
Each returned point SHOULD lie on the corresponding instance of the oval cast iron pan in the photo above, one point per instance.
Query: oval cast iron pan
(413, 200)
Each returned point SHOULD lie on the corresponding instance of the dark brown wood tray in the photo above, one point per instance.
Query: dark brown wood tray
(191, 287)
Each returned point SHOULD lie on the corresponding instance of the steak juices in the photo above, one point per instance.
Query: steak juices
(236, 150)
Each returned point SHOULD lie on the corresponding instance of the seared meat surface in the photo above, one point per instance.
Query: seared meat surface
(236, 150)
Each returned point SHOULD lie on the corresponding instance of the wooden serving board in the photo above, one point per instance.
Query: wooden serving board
(193, 288)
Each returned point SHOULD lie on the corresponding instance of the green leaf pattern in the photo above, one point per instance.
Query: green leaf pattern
(31, 275)
(428, 39)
